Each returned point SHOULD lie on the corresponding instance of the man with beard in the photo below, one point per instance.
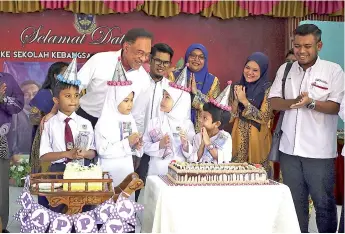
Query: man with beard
(160, 61)
(308, 142)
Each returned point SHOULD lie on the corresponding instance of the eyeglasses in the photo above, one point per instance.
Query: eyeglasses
(142, 54)
(159, 62)
(139, 53)
(195, 56)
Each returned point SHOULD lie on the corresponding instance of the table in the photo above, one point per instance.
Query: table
(210, 209)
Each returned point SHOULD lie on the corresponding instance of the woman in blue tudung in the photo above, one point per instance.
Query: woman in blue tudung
(204, 85)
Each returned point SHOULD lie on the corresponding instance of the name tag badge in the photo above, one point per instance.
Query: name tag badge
(83, 128)
(69, 145)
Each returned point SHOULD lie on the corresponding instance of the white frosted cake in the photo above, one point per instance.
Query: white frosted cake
(76, 171)
(209, 173)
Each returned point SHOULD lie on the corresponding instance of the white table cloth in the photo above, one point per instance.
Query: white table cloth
(210, 209)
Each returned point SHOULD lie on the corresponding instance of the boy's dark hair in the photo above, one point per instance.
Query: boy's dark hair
(163, 48)
(133, 34)
(289, 52)
(306, 29)
(217, 114)
(59, 86)
(29, 82)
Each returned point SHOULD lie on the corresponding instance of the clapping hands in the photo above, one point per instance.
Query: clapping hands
(164, 142)
(205, 137)
(301, 101)
(184, 140)
(240, 93)
(135, 140)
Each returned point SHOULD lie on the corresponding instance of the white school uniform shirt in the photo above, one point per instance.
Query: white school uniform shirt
(169, 123)
(94, 76)
(115, 153)
(224, 153)
(155, 94)
(53, 134)
(342, 116)
(308, 133)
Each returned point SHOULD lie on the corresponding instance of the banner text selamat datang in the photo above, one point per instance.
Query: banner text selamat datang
(43, 54)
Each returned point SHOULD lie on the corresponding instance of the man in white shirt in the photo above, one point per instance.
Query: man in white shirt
(136, 48)
(313, 90)
(160, 61)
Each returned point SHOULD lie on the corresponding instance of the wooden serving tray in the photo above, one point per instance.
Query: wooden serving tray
(75, 201)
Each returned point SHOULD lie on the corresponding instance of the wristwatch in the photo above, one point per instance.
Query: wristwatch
(311, 105)
(210, 147)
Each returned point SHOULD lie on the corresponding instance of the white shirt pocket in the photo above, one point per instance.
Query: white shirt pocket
(319, 90)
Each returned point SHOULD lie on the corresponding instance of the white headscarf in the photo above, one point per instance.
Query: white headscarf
(180, 111)
(108, 123)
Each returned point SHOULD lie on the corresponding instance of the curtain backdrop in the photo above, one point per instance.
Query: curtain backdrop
(206, 8)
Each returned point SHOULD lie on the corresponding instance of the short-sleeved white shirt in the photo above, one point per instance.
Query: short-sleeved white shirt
(308, 133)
(53, 134)
(94, 75)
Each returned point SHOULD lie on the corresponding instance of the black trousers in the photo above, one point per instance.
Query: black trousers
(142, 171)
(316, 177)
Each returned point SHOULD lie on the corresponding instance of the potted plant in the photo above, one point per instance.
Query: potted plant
(18, 172)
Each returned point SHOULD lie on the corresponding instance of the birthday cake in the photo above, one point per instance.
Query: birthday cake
(76, 171)
(209, 173)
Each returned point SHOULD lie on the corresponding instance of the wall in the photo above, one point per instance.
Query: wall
(229, 41)
(293, 23)
(333, 45)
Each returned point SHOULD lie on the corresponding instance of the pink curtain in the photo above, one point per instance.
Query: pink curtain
(194, 7)
(324, 7)
(258, 7)
(122, 6)
(58, 4)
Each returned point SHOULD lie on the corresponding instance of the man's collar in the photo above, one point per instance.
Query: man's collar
(154, 80)
(309, 68)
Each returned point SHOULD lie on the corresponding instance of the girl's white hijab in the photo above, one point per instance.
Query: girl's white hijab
(180, 111)
(108, 123)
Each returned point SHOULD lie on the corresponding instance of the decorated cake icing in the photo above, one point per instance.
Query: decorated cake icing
(209, 173)
(76, 171)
